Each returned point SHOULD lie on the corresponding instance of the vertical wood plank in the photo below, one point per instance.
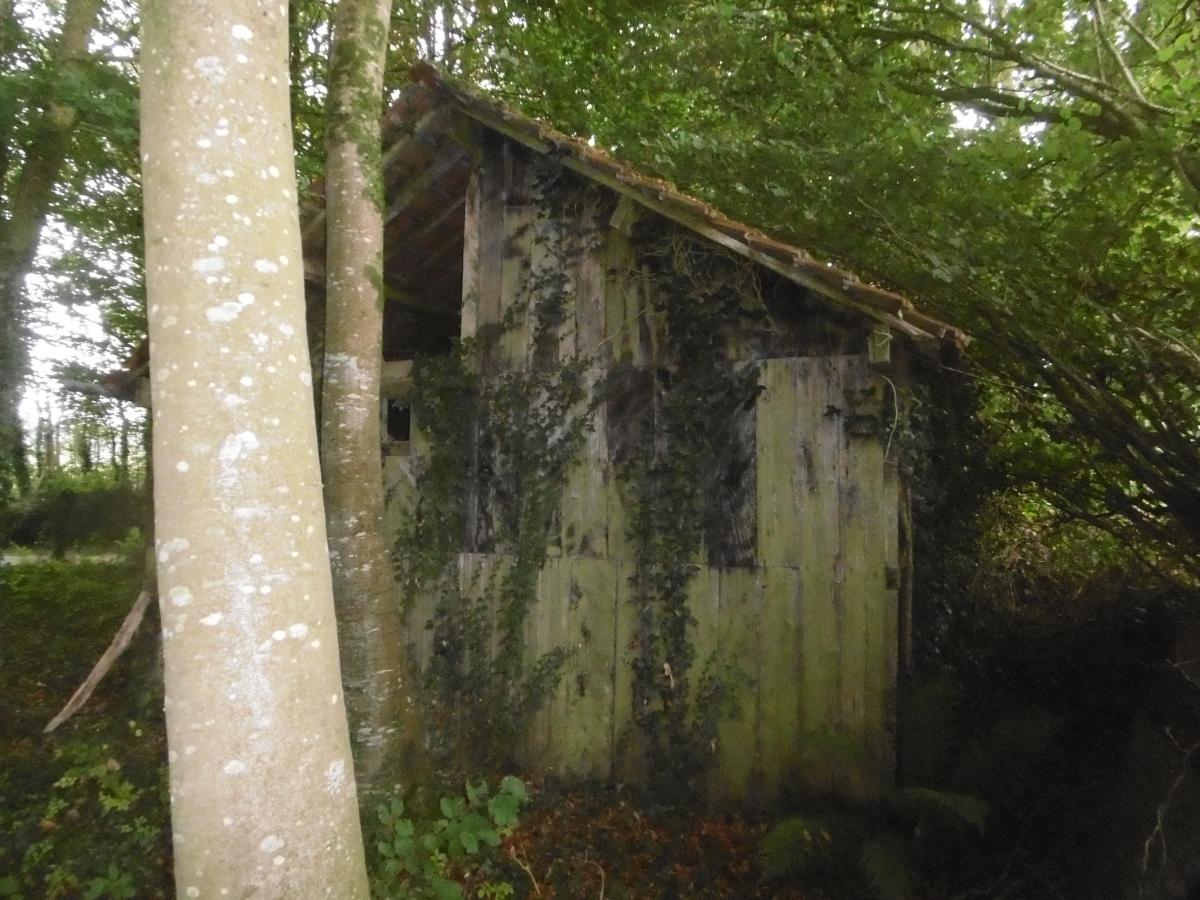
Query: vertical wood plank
(543, 633)
(471, 241)
(778, 506)
(549, 277)
(780, 647)
(490, 249)
(628, 750)
(589, 276)
(584, 509)
(584, 747)
(626, 292)
(731, 524)
(740, 652)
(822, 569)
(516, 299)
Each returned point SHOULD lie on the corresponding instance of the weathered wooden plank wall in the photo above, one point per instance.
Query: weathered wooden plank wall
(807, 623)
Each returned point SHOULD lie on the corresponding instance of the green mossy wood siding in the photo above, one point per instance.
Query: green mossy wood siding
(795, 589)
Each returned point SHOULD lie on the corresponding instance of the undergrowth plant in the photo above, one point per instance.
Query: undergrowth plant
(433, 856)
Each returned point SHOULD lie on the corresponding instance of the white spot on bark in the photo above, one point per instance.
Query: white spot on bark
(278, 860)
(270, 844)
(278, 635)
(226, 312)
(208, 264)
(335, 775)
(245, 298)
(274, 170)
(234, 446)
(298, 630)
(306, 378)
(245, 381)
(256, 559)
(287, 330)
(241, 32)
(231, 199)
(175, 545)
(210, 67)
(180, 596)
(234, 767)
(193, 892)
(204, 143)
(212, 619)
(182, 466)
(265, 266)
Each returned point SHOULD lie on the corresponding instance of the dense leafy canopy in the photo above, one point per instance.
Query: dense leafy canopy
(1028, 170)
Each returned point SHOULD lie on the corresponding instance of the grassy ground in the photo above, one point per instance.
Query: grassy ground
(83, 811)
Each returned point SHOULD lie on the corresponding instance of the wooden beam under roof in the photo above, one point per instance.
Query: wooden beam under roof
(446, 213)
(427, 180)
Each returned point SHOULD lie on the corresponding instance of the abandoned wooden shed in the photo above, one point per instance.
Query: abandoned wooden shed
(668, 457)
(662, 470)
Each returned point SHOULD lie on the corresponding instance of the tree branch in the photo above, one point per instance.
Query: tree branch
(118, 646)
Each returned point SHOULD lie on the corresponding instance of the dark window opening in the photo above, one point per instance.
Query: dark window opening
(399, 420)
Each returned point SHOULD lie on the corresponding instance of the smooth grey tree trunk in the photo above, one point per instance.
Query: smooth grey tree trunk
(383, 715)
(262, 780)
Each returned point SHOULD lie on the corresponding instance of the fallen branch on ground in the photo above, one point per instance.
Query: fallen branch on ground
(119, 642)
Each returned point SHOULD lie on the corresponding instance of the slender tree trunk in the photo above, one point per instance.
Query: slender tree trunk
(27, 206)
(262, 780)
(382, 714)
(122, 457)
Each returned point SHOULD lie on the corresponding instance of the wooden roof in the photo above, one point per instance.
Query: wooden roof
(434, 133)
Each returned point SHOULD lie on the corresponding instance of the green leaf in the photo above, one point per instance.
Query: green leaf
(444, 888)
(503, 809)
(476, 793)
(510, 784)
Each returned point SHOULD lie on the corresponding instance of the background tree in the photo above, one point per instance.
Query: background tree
(262, 783)
(31, 159)
(383, 715)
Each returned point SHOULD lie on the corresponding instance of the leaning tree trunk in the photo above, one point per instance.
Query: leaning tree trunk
(262, 781)
(382, 714)
(27, 205)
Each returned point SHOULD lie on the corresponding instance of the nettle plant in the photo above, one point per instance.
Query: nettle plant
(433, 857)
